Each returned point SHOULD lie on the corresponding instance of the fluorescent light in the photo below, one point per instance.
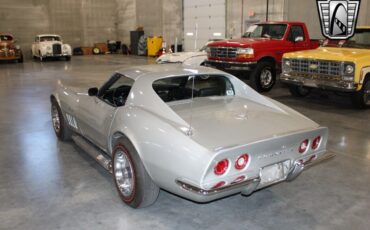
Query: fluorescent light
(189, 34)
(217, 34)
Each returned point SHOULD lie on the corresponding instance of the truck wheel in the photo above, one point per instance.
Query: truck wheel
(63, 132)
(263, 77)
(299, 91)
(133, 183)
(361, 99)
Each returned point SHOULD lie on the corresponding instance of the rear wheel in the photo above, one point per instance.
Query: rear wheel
(133, 183)
(299, 91)
(263, 78)
(61, 129)
(361, 99)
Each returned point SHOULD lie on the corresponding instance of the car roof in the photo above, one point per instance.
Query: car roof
(280, 22)
(158, 71)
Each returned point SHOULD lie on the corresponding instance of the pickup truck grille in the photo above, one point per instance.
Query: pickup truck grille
(316, 66)
(57, 49)
(223, 52)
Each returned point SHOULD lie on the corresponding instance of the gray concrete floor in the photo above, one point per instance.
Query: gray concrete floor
(46, 184)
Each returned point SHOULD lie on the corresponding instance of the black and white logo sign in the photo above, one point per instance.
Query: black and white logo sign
(338, 17)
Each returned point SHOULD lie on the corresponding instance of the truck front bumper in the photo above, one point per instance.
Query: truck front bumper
(234, 66)
(318, 82)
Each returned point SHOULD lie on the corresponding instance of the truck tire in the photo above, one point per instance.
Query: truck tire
(361, 99)
(263, 78)
(133, 183)
(299, 91)
(61, 128)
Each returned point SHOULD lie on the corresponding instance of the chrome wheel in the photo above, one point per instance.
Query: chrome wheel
(55, 118)
(266, 78)
(123, 172)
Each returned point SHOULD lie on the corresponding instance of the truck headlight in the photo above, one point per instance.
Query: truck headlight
(208, 49)
(286, 65)
(349, 69)
(65, 47)
(245, 52)
(48, 48)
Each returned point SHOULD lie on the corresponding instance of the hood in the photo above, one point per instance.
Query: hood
(219, 122)
(244, 42)
(331, 53)
(179, 57)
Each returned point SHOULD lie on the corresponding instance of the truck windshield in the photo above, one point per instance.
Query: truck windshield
(49, 38)
(274, 31)
(6, 38)
(361, 40)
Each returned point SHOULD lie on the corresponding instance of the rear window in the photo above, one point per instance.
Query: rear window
(181, 88)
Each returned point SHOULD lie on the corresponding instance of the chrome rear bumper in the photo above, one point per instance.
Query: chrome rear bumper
(250, 185)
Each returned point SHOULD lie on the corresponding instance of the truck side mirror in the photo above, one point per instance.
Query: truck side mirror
(299, 39)
(93, 92)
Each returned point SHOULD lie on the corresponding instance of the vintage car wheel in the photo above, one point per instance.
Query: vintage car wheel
(361, 99)
(61, 129)
(263, 77)
(133, 183)
(299, 91)
(40, 57)
(20, 60)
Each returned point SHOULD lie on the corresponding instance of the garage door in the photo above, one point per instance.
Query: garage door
(203, 20)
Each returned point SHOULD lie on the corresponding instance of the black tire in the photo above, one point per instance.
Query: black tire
(64, 133)
(144, 192)
(261, 82)
(361, 99)
(20, 60)
(68, 58)
(299, 91)
(40, 57)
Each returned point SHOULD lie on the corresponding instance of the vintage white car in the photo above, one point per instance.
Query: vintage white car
(50, 46)
(199, 133)
(196, 58)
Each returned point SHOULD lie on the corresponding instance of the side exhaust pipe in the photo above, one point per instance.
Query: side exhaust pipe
(95, 153)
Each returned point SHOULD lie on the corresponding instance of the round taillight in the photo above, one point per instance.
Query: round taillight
(241, 162)
(316, 143)
(221, 167)
(303, 146)
(219, 184)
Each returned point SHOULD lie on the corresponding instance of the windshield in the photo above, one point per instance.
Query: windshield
(274, 31)
(6, 38)
(49, 38)
(361, 40)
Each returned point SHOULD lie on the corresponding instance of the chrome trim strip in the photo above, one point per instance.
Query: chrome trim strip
(210, 192)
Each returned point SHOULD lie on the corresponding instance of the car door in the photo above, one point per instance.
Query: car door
(96, 112)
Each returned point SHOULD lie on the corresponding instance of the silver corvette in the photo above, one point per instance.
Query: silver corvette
(199, 133)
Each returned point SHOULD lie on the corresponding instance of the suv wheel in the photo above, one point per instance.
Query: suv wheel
(361, 99)
(299, 91)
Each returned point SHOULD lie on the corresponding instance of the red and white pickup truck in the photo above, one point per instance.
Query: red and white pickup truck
(259, 52)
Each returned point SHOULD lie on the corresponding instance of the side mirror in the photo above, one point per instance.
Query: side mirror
(93, 92)
(298, 39)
